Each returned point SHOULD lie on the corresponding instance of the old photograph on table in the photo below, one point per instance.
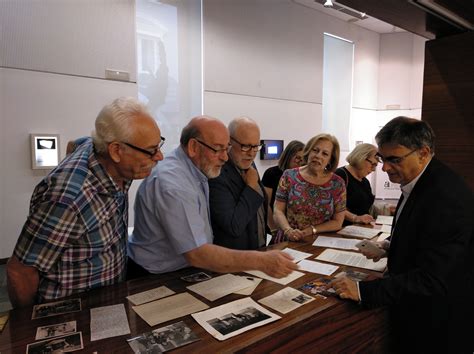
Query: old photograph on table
(319, 286)
(234, 318)
(55, 330)
(163, 339)
(56, 308)
(286, 300)
(65, 344)
(196, 277)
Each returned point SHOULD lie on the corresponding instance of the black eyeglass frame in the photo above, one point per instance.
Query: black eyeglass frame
(395, 160)
(248, 147)
(147, 152)
(216, 151)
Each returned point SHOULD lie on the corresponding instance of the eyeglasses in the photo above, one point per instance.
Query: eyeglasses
(150, 153)
(394, 159)
(374, 164)
(248, 147)
(216, 151)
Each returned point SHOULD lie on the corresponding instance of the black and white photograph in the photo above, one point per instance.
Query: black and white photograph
(196, 277)
(286, 300)
(234, 321)
(65, 344)
(233, 318)
(56, 308)
(301, 299)
(55, 330)
(163, 339)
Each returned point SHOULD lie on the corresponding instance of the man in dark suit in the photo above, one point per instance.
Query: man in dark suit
(237, 197)
(429, 282)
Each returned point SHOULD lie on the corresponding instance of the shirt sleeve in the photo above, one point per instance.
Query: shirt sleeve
(339, 194)
(283, 188)
(185, 218)
(49, 230)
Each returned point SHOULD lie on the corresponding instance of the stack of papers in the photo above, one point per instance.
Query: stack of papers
(220, 286)
(336, 242)
(352, 259)
(384, 219)
(169, 308)
(358, 231)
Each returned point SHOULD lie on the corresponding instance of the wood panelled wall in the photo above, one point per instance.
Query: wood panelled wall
(448, 100)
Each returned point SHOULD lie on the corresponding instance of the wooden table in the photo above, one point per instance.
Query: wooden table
(331, 325)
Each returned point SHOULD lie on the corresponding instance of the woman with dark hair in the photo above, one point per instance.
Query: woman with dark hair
(291, 157)
(311, 198)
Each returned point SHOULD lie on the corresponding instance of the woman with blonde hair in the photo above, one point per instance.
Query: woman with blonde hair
(362, 161)
(311, 198)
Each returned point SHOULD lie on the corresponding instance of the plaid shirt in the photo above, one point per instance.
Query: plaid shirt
(76, 231)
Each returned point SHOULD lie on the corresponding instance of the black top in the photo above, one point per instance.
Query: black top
(359, 193)
(270, 179)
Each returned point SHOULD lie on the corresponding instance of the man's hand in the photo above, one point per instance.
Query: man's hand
(251, 178)
(346, 288)
(277, 264)
(375, 255)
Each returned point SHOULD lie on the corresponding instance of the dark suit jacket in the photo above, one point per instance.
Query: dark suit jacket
(234, 207)
(430, 265)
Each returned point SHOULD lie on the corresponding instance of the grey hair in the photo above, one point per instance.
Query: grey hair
(236, 122)
(114, 122)
(409, 132)
(358, 155)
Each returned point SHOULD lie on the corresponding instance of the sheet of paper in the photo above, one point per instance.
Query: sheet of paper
(383, 236)
(283, 281)
(150, 295)
(169, 308)
(220, 286)
(384, 219)
(317, 267)
(233, 318)
(352, 259)
(109, 321)
(358, 231)
(297, 255)
(386, 228)
(250, 289)
(336, 242)
(286, 300)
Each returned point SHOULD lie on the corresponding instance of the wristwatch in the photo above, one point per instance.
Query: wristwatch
(314, 230)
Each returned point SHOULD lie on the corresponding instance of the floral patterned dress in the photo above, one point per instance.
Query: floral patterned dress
(307, 203)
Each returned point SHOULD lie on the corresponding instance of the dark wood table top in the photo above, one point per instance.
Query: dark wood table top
(323, 325)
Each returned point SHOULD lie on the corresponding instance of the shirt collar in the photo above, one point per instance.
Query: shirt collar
(407, 188)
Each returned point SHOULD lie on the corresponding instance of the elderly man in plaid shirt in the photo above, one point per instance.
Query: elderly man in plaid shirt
(75, 236)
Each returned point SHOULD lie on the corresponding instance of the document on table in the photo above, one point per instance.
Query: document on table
(317, 267)
(250, 289)
(358, 231)
(297, 255)
(169, 308)
(150, 295)
(352, 259)
(386, 228)
(283, 281)
(384, 219)
(383, 236)
(286, 300)
(233, 318)
(220, 286)
(336, 242)
(109, 321)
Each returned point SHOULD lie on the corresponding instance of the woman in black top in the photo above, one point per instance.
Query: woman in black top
(362, 161)
(291, 157)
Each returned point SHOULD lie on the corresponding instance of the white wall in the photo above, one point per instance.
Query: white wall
(78, 40)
